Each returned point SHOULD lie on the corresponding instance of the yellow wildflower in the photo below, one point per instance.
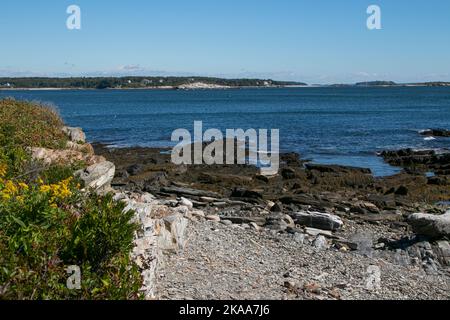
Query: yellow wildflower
(45, 188)
(10, 188)
(23, 186)
(3, 169)
(58, 191)
(5, 196)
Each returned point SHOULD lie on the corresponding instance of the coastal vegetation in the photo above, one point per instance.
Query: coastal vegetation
(48, 222)
(133, 82)
(375, 83)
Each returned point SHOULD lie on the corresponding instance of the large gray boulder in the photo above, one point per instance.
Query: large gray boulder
(318, 220)
(433, 226)
(66, 156)
(172, 233)
(75, 134)
(98, 176)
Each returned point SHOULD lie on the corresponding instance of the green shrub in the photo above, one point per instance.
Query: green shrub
(23, 125)
(57, 173)
(15, 158)
(114, 233)
(47, 224)
(46, 228)
(26, 124)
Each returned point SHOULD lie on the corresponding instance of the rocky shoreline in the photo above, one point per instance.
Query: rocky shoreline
(311, 232)
(224, 214)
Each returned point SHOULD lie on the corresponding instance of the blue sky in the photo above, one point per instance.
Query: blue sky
(322, 41)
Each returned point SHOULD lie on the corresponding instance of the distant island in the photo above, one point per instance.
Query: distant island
(140, 83)
(394, 84)
(179, 83)
(376, 83)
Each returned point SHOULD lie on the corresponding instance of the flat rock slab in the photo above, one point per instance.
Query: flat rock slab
(337, 168)
(98, 176)
(433, 226)
(190, 192)
(318, 220)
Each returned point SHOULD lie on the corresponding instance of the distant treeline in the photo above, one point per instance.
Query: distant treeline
(393, 84)
(133, 82)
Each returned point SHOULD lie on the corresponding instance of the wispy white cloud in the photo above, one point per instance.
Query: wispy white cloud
(131, 68)
(20, 73)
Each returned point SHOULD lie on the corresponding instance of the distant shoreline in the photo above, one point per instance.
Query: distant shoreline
(181, 83)
(222, 88)
(150, 88)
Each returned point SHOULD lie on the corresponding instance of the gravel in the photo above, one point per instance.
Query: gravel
(229, 262)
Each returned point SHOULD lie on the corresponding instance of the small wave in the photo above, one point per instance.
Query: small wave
(429, 138)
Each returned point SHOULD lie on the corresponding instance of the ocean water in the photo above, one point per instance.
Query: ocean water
(327, 125)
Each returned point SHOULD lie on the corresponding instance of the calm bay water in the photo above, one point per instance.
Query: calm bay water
(328, 125)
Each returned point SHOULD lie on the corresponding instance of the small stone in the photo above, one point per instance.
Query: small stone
(184, 211)
(320, 243)
(315, 232)
(290, 284)
(369, 206)
(147, 198)
(312, 288)
(198, 213)
(215, 218)
(335, 293)
(279, 225)
(135, 169)
(254, 226)
(277, 207)
(299, 237)
(226, 222)
(120, 196)
(187, 203)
